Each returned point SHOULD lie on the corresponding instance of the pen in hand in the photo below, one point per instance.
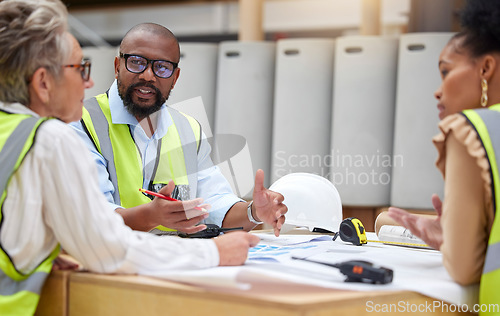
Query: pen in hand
(166, 197)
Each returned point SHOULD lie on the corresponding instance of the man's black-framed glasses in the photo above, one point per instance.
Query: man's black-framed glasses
(138, 64)
(84, 68)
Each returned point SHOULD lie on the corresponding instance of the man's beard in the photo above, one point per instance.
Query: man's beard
(135, 109)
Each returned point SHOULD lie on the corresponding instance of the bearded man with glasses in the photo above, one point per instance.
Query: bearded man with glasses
(50, 197)
(140, 143)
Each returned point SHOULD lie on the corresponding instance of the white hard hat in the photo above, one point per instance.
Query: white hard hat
(312, 201)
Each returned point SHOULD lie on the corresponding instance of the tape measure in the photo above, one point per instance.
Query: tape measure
(352, 230)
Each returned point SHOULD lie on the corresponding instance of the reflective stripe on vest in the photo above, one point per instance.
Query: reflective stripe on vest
(105, 149)
(34, 284)
(487, 124)
(189, 148)
(11, 150)
(19, 293)
(125, 170)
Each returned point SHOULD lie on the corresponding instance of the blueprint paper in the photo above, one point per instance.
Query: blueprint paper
(418, 270)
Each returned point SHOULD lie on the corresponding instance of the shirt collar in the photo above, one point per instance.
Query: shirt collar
(120, 115)
(17, 108)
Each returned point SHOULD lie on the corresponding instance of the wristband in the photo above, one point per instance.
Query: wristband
(249, 214)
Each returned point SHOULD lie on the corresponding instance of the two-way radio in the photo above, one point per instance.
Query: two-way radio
(359, 271)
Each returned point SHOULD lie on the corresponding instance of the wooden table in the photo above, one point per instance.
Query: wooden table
(55, 295)
(94, 294)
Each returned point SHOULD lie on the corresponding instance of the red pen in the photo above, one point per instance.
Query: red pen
(161, 196)
(165, 197)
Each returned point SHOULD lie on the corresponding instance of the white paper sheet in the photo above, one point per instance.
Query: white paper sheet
(419, 270)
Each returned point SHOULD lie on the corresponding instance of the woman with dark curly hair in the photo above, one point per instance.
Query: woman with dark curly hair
(466, 230)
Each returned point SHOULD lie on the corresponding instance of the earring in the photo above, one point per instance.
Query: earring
(484, 93)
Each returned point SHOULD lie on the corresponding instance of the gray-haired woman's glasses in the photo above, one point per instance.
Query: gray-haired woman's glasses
(84, 68)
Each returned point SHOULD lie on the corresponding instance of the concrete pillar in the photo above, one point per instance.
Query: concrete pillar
(370, 17)
(250, 20)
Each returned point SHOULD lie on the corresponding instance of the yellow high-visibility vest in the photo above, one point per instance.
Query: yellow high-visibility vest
(487, 124)
(176, 160)
(19, 292)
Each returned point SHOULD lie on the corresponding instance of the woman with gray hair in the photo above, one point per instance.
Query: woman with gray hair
(48, 182)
